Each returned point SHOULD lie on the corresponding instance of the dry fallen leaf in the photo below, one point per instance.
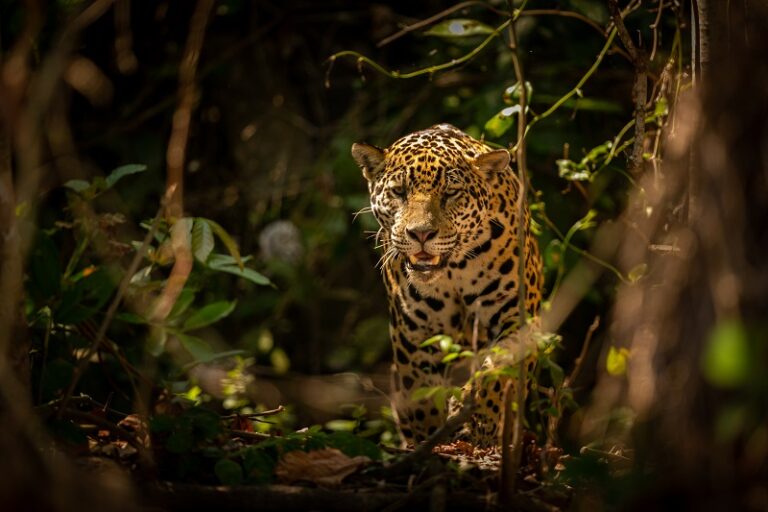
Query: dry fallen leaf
(326, 467)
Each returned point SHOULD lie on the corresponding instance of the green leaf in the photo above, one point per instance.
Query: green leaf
(123, 171)
(342, 425)
(353, 445)
(572, 171)
(245, 273)
(499, 124)
(279, 360)
(726, 361)
(439, 338)
(557, 373)
(161, 423)
(209, 314)
(424, 393)
(204, 421)
(459, 27)
(200, 350)
(446, 343)
(637, 272)
(202, 240)
(511, 94)
(616, 362)
(78, 185)
(86, 297)
(130, 318)
(156, 340)
(450, 357)
(183, 301)
(45, 271)
(259, 466)
(228, 242)
(553, 253)
(180, 441)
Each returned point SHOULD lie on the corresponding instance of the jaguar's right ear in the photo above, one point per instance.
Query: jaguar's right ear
(369, 158)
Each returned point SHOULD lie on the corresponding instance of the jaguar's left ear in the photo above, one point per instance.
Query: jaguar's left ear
(492, 162)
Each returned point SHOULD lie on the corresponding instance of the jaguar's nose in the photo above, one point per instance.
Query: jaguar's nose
(421, 234)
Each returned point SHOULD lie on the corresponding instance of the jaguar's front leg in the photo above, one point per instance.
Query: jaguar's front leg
(501, 373)
(416, 419)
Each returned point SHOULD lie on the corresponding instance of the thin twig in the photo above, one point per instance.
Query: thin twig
(433, 19)
(270, 412)
(511, 445)
(579, 362)
(639, 88)
(655, 28)
(252, 435)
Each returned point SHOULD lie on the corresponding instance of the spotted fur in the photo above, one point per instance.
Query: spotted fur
(447, 205)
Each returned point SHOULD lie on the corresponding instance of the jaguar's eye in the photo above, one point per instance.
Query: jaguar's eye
(398, 190)
(452, 192)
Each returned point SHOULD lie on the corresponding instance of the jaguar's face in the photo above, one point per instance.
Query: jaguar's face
(430, 197)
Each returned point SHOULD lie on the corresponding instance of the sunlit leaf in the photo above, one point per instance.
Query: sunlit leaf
(450, 357)
(726, 361)
(122, 172)
(265, 341)
(499, 124)
(572, 171)
(661, 108)
(446, 342)
(616, 362)
(279, 360)
(209, 314)
(637, 272)
(512, 93)
(341, 425)
(439, 338)
(202, 240)
(459, 27)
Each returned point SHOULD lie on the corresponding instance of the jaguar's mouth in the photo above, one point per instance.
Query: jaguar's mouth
(425, 262)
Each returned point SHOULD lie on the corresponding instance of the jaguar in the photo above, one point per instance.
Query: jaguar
(448, 207)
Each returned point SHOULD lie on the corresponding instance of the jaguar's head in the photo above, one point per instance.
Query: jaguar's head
(430, 192)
